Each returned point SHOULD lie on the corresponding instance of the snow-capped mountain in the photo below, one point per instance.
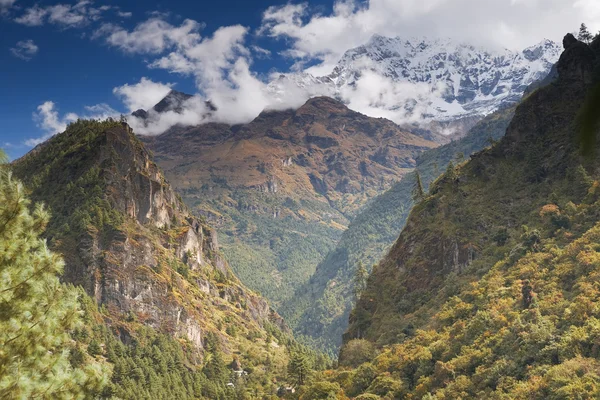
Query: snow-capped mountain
(421, 79)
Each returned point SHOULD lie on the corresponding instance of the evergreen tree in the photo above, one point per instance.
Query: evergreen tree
(298, 368)
(37, 312)
(418, 193)
(360, 280)
(584, 34)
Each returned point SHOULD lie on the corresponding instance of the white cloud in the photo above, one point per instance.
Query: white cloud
(505, 23)
(143, 95)
(220, 65)
(25, 50)
(150, 37)
(49, 120)
(64, 15)
(194, 111)
(124, 14)
(261, 52)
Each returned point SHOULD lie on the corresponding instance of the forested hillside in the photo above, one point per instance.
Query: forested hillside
(491, 290)
(321, 307)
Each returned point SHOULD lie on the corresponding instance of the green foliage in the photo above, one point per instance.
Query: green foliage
(360, 280)
(298, 368)
(73, 186)
(322, 390)
(584, 34)
(37, 312)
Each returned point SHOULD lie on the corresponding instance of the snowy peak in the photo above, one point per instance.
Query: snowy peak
(416, 79)
(469, 75)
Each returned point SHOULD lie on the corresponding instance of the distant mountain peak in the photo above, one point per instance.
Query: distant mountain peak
(174, 100)
(456, 79)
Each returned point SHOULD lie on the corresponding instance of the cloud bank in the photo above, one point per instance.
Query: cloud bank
(513, 24)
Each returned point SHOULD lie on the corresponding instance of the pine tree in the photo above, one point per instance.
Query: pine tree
(37, 312)
(418, 193)
(584, 34)
(298, 368)
(360, 280)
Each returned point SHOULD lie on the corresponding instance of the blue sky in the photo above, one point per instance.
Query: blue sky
(64, 58)
(73, 70)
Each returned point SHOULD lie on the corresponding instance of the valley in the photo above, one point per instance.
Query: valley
(350, 212)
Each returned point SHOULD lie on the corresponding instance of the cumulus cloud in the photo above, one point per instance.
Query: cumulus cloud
(25, 49)
(193, 111)
(219, 63)
(64, 15)
(142, 95)
(49, 120)
(505, 23)
(150, 37)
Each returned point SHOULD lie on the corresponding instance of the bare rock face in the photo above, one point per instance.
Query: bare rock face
(159, 265)
(577, 61)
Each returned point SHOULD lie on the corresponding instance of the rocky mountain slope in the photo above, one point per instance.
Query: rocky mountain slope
(134, 247)
(491, 289)
(446, 80)
(323, 304)
(282, 188)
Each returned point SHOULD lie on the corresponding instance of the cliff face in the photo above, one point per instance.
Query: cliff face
(474, 215)
(129, 240)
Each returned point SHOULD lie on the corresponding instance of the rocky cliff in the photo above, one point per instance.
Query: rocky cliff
(129, 240)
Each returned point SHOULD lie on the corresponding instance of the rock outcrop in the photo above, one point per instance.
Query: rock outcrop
(140, 253)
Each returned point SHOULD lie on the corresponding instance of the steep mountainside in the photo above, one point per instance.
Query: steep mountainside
(457, 80)
(131, 243)
(491, 290)
(323, 304)
(282, 188)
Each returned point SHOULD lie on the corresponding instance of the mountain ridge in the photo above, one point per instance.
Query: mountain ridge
(282, 188)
